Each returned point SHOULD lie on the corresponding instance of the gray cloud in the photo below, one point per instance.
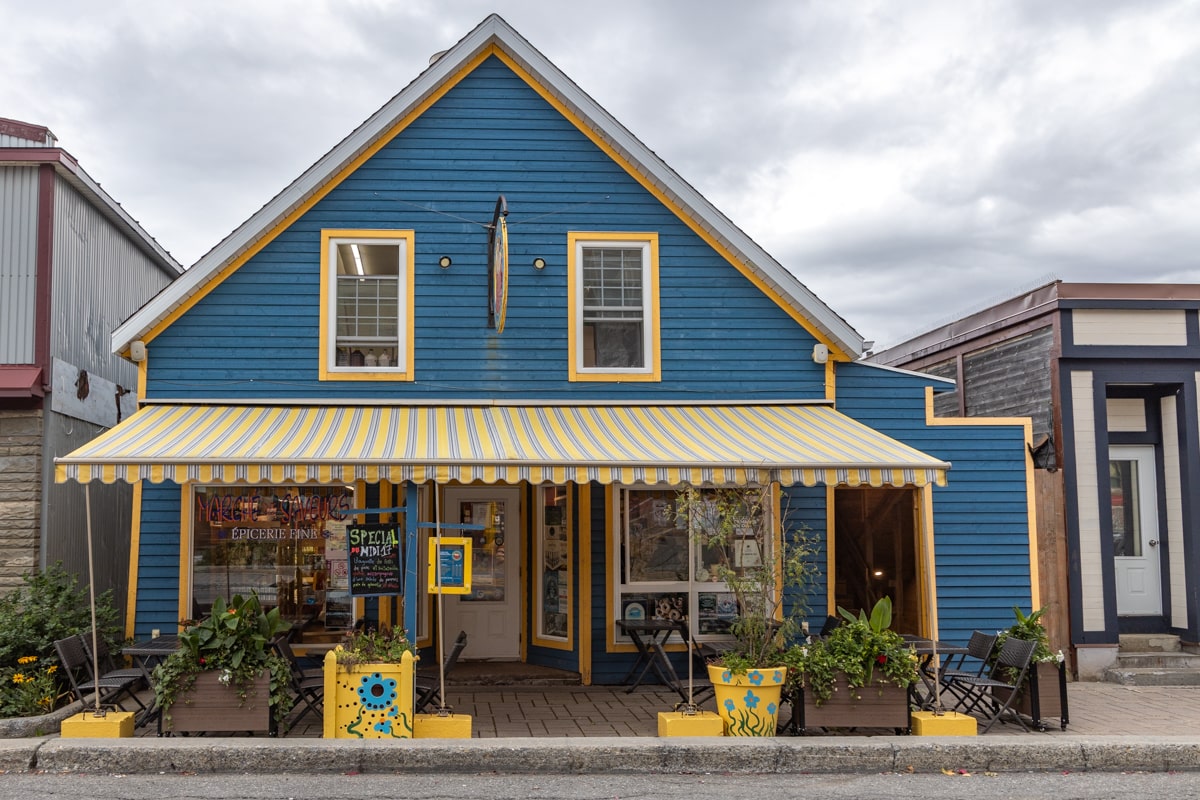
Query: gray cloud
(906, 161)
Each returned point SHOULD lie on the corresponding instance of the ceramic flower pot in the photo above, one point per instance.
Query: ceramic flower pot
(749, 703)
(369, 701)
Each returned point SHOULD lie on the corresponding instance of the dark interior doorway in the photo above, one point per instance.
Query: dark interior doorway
(875, 546)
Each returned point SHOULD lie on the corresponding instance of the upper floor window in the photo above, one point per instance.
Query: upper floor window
(366, 305)
(614, 306)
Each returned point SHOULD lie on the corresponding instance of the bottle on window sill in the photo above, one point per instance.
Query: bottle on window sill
(371, 359)
(356, 358)
(385, 359)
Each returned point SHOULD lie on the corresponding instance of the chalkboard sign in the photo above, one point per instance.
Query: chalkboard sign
(375, 559)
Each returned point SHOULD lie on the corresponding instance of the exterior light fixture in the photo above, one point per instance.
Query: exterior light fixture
(539, 263)
(444, 262)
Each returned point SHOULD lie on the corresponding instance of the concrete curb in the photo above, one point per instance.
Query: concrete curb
(845, 755)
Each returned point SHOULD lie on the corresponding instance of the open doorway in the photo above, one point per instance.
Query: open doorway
(875, 552)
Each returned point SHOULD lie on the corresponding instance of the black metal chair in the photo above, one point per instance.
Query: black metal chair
(307, 684)
(992, 696)
(428, 684)
(112, 689)
(108, 665)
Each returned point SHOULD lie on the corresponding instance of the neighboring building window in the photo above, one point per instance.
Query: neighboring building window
(366, 305)
(614, 306)
(655, 555)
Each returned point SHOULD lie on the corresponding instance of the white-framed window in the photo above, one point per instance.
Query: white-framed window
(366, 305)
(614, 306)
(654, 555)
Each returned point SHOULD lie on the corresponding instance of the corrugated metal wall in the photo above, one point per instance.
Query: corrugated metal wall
(18, 262)
(99, 279)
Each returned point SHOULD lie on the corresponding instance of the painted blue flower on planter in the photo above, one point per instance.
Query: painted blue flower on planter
(376, 692)
(755, 677)
(751, 699)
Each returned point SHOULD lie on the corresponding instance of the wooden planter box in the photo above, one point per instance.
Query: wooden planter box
(880, 705)
(1045, 695)
(211, 706)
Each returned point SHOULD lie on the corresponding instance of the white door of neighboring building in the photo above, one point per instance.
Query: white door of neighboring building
(491, 613)
(1133, 485)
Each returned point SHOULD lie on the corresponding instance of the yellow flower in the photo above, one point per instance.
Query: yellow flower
(53, 668)
(27, 660)
(19, 678)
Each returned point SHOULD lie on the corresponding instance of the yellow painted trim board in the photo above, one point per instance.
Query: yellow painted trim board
(928, 609)
(1027, 424)
(135, 546)
(836, 353)
(585, 582)
(830, 554)
(187, 501)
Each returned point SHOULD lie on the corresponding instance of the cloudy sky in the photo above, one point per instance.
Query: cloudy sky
(908, 161)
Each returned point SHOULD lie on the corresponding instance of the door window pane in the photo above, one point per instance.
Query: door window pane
(1126, 514)
(487, 550)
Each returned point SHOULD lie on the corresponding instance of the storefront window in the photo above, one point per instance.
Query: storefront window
(554, 560)
(287, 544)
(656, 555)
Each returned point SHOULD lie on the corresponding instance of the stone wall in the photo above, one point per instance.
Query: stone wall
(20, 494)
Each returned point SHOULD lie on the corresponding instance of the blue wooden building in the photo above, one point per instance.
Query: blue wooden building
(490, 305)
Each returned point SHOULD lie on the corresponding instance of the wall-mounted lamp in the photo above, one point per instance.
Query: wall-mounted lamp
(539, 263)
(820, 353)
(444, 262)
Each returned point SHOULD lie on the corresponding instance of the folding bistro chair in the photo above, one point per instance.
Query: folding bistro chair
(992, 696)
(108, 665)
(111, 689)
(307, 685)
(428, 683)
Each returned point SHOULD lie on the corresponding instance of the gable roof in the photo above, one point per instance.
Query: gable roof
(494, 36)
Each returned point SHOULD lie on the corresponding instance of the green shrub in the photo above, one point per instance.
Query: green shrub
(50, 605)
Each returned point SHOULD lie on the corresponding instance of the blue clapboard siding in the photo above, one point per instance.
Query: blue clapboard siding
(256, 335)
(805, 509)
(981, 517)
(158, 560)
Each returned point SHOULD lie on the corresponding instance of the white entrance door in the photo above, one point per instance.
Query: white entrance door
(491, 613)
(1131, 474)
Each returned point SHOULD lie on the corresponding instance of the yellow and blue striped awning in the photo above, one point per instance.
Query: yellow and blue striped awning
(627, 444)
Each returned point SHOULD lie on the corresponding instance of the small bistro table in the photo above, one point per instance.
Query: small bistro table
(649, 637)
(147, 654)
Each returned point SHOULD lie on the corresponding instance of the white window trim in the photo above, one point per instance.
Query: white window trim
(576, 242)
(402, 368)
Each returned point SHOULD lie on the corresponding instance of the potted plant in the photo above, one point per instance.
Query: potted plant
(735, 531)
(855, 676)
(370, 679)
(225, 676)
(1045, 691)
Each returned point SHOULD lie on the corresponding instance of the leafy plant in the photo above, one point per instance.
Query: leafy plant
(863, 649)
(28, 689)
(49, 605)
(234, 639)
(735, 530)
(386, 645)
(1029, 628)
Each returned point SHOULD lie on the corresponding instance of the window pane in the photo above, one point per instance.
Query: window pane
(1126, 515)
(657, 549)
(614, 344)
(368, 306)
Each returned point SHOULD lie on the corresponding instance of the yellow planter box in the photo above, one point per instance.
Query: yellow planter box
(369, 701)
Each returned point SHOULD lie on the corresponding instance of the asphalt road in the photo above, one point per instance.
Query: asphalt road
(1042, 786)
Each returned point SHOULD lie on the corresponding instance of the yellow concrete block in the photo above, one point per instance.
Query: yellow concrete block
(702, 723)
(86, 725)
(434, 726)
(949, 723)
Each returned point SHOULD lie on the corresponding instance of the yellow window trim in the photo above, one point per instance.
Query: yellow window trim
(406, 292)
(575, 305)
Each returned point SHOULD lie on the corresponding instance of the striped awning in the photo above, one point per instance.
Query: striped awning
(671, 444)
